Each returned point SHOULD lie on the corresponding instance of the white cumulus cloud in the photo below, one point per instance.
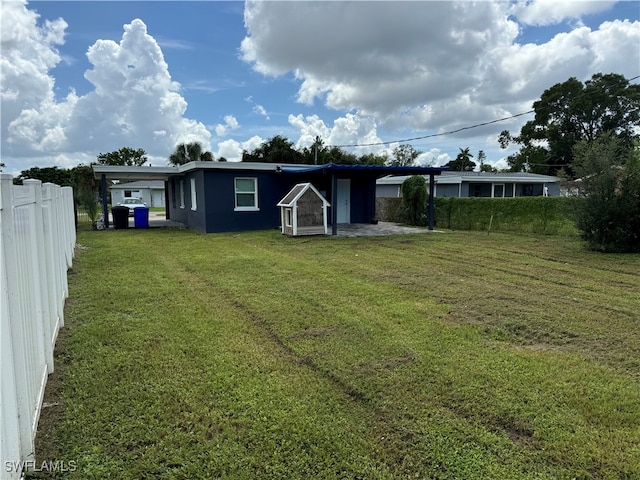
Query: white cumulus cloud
(547, 12)
(231, 149)
(134, 102)
(431, 66)
(230, 123)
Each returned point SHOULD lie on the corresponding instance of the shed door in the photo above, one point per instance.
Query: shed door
(343, 210)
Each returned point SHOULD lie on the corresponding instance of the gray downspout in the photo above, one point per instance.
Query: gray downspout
(105, 208)
(334, 201)
(431, 202)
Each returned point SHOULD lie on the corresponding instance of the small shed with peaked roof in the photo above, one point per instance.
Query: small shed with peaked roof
(303, 211)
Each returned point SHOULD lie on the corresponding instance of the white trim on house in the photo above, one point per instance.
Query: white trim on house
(194, 203)
(246, 208)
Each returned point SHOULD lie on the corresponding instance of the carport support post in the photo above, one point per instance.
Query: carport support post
(105, 208)
(334, 201)
(431, 188)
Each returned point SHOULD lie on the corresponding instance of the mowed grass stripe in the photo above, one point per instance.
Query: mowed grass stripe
(361, 339)
(258, 356)
(178, 383)
(578, 309)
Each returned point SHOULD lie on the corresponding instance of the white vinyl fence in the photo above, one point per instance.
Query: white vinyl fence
(37, 240)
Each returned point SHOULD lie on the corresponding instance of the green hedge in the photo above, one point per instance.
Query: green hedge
(549, 215)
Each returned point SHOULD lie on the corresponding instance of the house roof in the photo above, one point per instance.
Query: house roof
(449, 177)
(379, 170)
(124, 173)
(296, 192)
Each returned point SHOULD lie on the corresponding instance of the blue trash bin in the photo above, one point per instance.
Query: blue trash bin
(141, 217)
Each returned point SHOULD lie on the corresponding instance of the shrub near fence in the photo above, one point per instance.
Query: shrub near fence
(548, 215)
(37, 239)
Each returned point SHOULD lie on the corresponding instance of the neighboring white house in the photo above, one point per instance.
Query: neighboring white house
(151, 192)
(479, 184)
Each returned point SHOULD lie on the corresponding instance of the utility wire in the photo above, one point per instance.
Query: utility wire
(451, 131)
(438, 134)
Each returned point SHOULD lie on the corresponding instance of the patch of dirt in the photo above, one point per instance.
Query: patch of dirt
(53, 409)
(383, 364)
(315, 332)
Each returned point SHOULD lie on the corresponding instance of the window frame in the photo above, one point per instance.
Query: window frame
(246, 208)
(194, 202)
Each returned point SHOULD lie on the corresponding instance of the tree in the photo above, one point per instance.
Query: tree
(571, 112)
(125, 156)
(316, 153)
(488, 168)
(189, 152)
(59, 176)
(82, 178)
(485, 167)
(373, 159)
(608, 215)
(463, 162)
(414, 200)
(275, 150)
(339, 156)
(404, 156)
(482, 157)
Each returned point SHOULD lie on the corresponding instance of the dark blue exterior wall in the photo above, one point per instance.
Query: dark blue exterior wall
(180, 205)
(215, 195)
(221, 216)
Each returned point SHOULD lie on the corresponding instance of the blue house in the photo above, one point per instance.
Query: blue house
(225, 196)
(234, 196)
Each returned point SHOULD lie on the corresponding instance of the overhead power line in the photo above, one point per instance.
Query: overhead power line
(451, 132)
(438, 134)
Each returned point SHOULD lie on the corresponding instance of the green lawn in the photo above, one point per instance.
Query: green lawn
(458, 355)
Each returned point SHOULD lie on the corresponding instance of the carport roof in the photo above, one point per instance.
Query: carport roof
(380, 170)
(130, 174)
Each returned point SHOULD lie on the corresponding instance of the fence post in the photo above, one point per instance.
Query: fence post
(59, 260)
(10, 428)
(69, 224)
(23, 386)
(42, 273)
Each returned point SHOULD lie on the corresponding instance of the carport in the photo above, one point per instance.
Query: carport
(335, 173)
(106, 173)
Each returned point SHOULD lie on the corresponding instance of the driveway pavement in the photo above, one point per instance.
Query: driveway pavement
(381, 228)
(158, 220)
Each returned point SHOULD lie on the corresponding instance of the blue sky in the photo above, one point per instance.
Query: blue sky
(233, 74)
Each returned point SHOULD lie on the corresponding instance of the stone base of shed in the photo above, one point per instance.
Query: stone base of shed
(311, 230)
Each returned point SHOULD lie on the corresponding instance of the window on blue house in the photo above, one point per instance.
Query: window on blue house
(246, 193)
(194, 203)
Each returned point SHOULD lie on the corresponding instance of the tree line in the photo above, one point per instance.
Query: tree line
(585, 132)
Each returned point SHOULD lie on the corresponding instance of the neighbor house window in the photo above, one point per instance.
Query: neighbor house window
(194, 205)
(127, 193)
(246, 193)
(181, 193)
